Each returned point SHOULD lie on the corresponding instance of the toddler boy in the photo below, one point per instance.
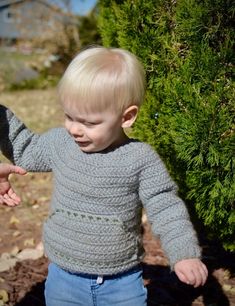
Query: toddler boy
(102, 181)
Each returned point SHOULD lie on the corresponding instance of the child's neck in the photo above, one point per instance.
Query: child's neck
(122, 140)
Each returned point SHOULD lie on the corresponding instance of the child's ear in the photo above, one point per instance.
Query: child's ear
(129, 116)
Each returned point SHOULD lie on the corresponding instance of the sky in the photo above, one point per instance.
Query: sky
(82, 7)
(79, 7)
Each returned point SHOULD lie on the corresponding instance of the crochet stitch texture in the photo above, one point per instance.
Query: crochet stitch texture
(95, 214)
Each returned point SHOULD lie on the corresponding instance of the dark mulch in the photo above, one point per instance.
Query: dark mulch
(25, 283)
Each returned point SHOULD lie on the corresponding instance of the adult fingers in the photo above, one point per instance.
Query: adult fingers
(13, 196)
(10, 198)
(17, 170)
(1, 199)
(7, 200)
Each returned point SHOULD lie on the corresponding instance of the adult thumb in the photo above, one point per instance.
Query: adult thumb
(17, 170)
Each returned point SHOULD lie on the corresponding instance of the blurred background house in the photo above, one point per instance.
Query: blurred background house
(38, 38)
(34, 20)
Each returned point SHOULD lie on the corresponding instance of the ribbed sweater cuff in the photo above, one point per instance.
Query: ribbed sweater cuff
(186, 252)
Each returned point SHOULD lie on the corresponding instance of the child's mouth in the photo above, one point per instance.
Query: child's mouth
(83, 143)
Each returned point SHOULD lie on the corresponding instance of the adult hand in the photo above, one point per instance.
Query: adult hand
(7, 194)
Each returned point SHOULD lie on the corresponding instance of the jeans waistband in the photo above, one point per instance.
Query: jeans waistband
(111, 276)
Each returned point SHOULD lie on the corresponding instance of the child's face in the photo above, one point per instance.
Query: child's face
(94, 131)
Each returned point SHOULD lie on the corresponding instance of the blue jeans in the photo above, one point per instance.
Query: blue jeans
(63, 288)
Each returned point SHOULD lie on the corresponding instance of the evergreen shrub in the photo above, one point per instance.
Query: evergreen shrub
(188, 116)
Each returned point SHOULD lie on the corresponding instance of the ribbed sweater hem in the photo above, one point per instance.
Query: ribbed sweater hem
(78, 267)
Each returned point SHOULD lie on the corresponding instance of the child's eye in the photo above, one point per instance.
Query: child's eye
(68, 117)
(90, 123)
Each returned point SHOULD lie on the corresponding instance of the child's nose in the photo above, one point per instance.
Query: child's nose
(76, 129)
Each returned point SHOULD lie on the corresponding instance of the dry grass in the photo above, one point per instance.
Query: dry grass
(39, 109)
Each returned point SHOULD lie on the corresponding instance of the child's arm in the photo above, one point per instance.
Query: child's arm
(7, 194)
(21, 146)
(170, 221)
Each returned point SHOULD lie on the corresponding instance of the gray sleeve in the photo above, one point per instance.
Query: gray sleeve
(166, 212)
(21, 146)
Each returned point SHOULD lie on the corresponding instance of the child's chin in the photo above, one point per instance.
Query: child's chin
(87, 149)
(91, 149)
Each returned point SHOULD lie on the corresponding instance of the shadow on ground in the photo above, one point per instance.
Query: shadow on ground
(164, 288)
(35, 297)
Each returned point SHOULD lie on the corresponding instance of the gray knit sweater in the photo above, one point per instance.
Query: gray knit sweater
(95, 215)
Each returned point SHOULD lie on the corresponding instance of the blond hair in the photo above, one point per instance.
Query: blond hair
(99, 78)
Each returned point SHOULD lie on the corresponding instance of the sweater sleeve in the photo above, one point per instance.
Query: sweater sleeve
(21, 146)
(166, 212)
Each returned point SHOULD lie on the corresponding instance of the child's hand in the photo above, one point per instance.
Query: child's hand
(7, 194)
(191, 271)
